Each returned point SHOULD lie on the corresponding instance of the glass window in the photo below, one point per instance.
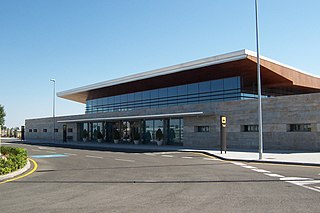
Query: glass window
(217, 85)
(149, 132)
(130, 97)
(204, 87)
(231, 83)
(117, 99)
(250, 128)
(145, 95)
(154, 95)
(182, 90)
(138, 96)
(193, 88)
(163, 94)
(202, 128)
(124, 98)
(45, 130)
(300, 127)
(172, 91)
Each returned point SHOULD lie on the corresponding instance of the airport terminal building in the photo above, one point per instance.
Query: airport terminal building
(182, 105)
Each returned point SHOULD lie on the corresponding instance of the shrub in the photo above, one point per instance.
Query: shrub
(16, 159)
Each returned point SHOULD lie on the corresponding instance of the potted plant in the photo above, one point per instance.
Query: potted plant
(116, 136)
(84, 135)
(159, 137)
(136, 138)
(99, 136)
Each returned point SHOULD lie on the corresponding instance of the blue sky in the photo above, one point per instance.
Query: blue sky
(81, 42)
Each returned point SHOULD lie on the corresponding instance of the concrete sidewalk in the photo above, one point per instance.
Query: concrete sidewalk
(279, 157)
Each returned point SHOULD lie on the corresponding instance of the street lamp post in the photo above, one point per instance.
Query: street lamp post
(259, 85)
(53, 109)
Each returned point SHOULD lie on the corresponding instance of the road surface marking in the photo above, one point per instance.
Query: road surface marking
(49, 156)
(36, 150)
(274, 175)
(126, 160)
(293, 178)
(69, 154)
(260, 170)
(238, 164)
(305, 182)
(209, 159)
(150, 154)
(91, 156)
(187, 157)
(167, 156)
(47, 148)
(51, 152)
(22, 176)
(249, 167)
(163, 153)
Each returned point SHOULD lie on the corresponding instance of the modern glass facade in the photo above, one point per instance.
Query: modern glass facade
(144, 131)
(202, 92)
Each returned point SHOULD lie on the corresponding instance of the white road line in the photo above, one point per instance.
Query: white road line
(91, 156)
(260, 170)
(150, 154)
(36, 150)
(46, 148)
(167, 156)
(69, 154)
(126, 160)
(209, 159)
(249, 167)
(51, 152)
(187, 157)
(305, 182)
(293, 178)
(274, 175)
(238, 164)
(318, 187)
(163, 153)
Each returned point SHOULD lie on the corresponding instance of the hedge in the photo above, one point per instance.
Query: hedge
(16, 159)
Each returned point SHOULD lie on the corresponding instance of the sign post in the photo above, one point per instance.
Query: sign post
(223, 134)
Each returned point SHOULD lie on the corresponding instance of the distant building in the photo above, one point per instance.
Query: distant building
(183, 103)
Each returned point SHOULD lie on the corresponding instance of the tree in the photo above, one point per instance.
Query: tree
(2, 115)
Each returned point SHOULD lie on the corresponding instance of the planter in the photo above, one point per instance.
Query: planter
(116, 141)
(159, 143)
(136, 142)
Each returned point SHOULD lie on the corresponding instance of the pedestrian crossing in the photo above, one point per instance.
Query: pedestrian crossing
(308, 183)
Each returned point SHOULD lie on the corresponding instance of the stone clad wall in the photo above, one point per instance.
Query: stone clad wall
(278, 113)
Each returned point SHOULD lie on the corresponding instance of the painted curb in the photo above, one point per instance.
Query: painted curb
(16, 173)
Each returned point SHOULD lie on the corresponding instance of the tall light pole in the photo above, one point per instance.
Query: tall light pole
(53, 109)
(259, 85)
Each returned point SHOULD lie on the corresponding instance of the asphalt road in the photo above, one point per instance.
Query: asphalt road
(106, 181)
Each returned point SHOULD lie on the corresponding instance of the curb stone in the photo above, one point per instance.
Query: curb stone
(256, 161)
(16, 173)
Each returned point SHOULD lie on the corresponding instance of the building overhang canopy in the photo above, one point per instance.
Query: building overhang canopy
(155, 116)
(240, 63)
